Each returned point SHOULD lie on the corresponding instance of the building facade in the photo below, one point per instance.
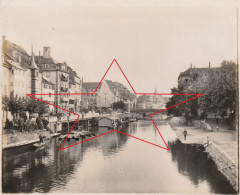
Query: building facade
(155, 102)
(40, 74)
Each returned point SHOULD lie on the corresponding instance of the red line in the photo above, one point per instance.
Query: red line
(125, 77)
(69, 132)
(141, 140)
(63, 94)
(52, 104)
(85, 140)
(176, 105)
(159, 132)
(61, 148)
(164, 94)
(103, 76)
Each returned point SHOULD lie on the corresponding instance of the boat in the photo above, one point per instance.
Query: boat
(132, 119)
(71, 136)
(76, 135)
(82, 134)
(38, 145)
(62, 137)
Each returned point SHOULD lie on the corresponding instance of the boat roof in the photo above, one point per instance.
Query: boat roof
(110, 117)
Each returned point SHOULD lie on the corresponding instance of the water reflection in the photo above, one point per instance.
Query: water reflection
(195, 164)
(99, 164)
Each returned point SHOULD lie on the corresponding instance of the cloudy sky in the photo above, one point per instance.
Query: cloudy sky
(153, 41)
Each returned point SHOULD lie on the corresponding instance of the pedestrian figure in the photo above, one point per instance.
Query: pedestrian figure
(40, 138)
(185, 134)
(217, 128)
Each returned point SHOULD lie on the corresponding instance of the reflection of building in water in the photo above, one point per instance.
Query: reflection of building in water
(195, 164)
(41, 169)
(47, 164)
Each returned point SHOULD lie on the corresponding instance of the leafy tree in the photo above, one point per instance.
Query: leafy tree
(218, 86)
(14, 105)
(119, 105)
(35, 106)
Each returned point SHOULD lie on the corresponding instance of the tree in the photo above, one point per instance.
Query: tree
(218, 87)
(119, 105)
(35, 106)
(14, 105)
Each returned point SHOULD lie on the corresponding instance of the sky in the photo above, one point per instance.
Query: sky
(153, 41)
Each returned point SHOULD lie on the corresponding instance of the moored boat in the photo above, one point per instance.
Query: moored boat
(38, 145)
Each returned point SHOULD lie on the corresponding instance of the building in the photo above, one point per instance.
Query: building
(75, 87)
(192, 73)
(58, 74)
(107, 93)
(48, 88)
(22, 75)
(41, 74)
(90, 101)
(151, 102)
(16, 70)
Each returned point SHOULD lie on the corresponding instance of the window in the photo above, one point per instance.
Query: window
(49, 94)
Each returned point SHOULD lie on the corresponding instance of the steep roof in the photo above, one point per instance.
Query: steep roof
(192, 71)
(42, 60)
(15, 64)
(90, 85)
(119, 88)
(12, 52)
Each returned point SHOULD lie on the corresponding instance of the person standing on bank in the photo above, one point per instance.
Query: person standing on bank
(40, 138)
(185, 134)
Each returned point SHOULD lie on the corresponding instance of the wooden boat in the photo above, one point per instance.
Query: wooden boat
(38, 145)
(132, 119)
(76, 135)
(62, 137)
(82, 134)
(71, 136)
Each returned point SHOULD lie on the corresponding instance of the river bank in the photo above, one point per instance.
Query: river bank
(221, 146)
(16, 138)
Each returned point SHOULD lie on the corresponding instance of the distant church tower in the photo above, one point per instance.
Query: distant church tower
(35, 76)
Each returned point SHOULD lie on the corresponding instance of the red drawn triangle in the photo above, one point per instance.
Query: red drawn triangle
(78, 115)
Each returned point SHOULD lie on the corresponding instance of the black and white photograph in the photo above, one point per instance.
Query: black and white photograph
(119, 96)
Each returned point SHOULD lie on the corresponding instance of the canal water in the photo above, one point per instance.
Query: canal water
(114, 163)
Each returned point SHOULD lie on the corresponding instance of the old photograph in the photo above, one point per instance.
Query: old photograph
(101, 96)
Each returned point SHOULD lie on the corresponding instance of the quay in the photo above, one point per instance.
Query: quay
(25, 143)
(59, 127)
(221, 146)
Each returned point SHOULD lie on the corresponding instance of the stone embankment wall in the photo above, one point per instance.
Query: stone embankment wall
(224, 163)
(22, 137)
(195, 123)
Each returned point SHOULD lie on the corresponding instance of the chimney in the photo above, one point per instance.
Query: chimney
(39, 60)
(209, 65)
(19, 58)
(191, 66)
(46, 52)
